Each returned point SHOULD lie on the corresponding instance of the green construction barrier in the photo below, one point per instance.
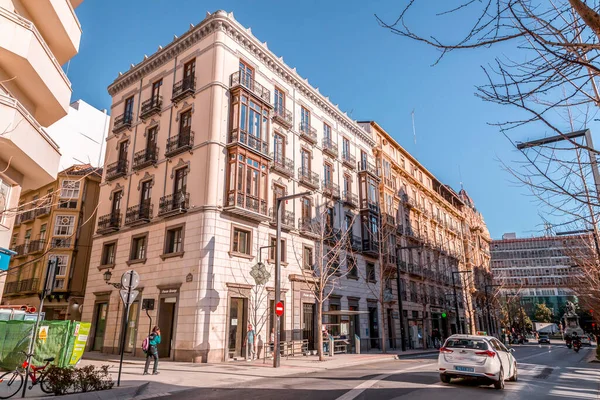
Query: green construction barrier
(63, 340)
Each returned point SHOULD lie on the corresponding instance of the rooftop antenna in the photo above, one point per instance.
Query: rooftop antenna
(547, 228)
(412, 114)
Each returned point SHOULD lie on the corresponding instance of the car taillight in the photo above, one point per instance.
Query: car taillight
(488, 353)
(446, 350)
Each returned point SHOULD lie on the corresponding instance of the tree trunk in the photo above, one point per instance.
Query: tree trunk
(588, 15)
(320, 330)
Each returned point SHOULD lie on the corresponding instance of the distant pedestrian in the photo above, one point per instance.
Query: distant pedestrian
(326, 338)
(250, 352)
(152, 352)
(272, 341)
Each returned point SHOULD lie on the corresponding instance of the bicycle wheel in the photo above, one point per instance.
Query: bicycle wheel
(46, 386)
(10, 384)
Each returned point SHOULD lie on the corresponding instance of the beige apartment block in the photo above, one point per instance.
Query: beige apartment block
(36, 38)
(206, 133)
(54, 221)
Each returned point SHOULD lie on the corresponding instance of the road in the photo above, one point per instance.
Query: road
(545, 372)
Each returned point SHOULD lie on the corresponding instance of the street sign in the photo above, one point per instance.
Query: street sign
(132, 295)
(279, 309)
(130, 279)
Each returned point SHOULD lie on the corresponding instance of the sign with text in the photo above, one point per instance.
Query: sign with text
(82, 331)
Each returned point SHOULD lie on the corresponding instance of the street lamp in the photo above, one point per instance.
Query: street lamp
(468, 271)
(399, 285)
(278, 202)
(107, 275)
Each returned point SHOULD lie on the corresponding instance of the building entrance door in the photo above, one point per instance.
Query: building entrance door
(166, 322)
(131, 332)
(308, 324)
(238, 320)
(390, 326)
(373, 328)
(100, 326)
(354, 329)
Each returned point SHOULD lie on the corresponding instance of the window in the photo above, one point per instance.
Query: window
(305, 160)
(345, 147)
(327, 132)
(246, 74)
(156, 89)
(61, 270)
(304, 120)
(272, 242)
(128, 111)
(43, 231)
(371, 272)
(13, 242)
(27, 236)
(352, 269)
(151, 138)
(279, 101)
(241, 242)
(347, 184)
(145, 193)
(116, 202)
(138, 248)
(278, 148)
(108, 253)
(64, 225)
(70, 189)
(307, 258)
(189, 69)
(185, 124)
(250, 118)
(180, 180)
(247, 183)
(174, 240)
(306, 208)
(327, 174)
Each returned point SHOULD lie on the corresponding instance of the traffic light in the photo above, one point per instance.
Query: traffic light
(444, 315)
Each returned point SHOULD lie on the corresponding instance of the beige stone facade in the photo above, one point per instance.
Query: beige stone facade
(36, 38)
(54, 221)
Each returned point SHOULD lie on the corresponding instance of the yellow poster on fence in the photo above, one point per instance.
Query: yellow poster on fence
(82, 330)
(43, 334)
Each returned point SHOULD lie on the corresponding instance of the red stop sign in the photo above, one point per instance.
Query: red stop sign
(279, 309)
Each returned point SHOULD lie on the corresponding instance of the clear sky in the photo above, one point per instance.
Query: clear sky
(371, 73)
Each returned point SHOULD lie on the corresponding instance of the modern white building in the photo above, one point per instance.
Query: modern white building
(36, 38)
(80, 135)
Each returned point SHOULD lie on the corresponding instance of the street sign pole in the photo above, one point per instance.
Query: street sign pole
(129, 281)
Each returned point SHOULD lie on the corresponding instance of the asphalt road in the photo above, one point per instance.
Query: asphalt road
(545, 372)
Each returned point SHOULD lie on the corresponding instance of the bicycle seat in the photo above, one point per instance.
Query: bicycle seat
(49, 359)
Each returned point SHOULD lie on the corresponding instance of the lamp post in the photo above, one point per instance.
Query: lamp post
(278, 202)
(458, 326)
(107, 275)
(399, 285)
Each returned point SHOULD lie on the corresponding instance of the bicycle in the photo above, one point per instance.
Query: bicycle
(11, 382)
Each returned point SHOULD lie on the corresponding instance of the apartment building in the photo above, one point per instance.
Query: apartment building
(538, 269)
(423, 223)
(206, 133)
(54, 221)
(36, 38)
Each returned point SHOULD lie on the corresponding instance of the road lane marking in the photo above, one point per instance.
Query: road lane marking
(355, 392)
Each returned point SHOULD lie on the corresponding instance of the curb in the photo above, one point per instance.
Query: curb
(117, 393)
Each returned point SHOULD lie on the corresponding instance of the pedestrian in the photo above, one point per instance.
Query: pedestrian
(250, 353)
(152, 352)
(325, 341)
(272, 341)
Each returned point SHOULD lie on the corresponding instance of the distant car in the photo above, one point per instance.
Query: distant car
(470, 356)
(543, 339)
(585, 340)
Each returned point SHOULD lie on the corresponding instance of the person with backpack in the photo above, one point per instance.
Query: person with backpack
(150, 347)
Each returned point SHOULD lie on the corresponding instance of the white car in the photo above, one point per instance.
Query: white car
(477, 357)
(585, 340)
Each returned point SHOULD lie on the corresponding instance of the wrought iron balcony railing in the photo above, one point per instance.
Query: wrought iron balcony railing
(251, 141)
(308, 133)
(241, 78)
(183, 88)
(140, 213)
(122, 122)
(329, 147)
(348, 160)
(365, 166)
(287, 217)
(116, 169)
(175, 203)
(109, 222)
(282, 165)
(283, 116)
(180, 143)
(145, 158)
(350, 199)
(330, 189)
(151, 106)
(308, 178)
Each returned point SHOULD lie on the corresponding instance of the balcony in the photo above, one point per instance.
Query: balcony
(365, 166)
(283, 117)
(30, 247)
(27, 216)
(109, 223)
(247, 206)
(42, 211)
(400, 229)
(350, 199)
(23, 286)
(287, 218)
(180, 143)
(183, 88)
(370, 246)
(60, 243)
(308, 133)
(388, 220)
(409, 201)
(369, 204)
(283, 165)
(242, 79)
(308, 178)
(139, 214)
(308, 227)
(329, 147)
(173, 204)
(144, 158)
(151, 106)
(249, 141)
(331, 189)
(355, 242)
(414, 269)
(122, 122)
(116, 169)
(402, 265)
(348, 160)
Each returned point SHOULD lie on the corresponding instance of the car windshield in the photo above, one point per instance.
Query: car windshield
(467, 344)
(543, 337)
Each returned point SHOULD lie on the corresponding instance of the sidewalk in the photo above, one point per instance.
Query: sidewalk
(178, 376)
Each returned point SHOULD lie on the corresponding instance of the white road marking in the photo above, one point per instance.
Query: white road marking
(355, 392)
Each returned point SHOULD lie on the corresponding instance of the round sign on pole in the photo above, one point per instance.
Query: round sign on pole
(130, 279)
(279, 309)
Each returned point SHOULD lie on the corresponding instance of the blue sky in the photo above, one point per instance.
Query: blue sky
(371, 73)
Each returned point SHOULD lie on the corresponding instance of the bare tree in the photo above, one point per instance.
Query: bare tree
(332, 249)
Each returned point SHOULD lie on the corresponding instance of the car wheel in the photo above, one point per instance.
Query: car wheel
(445, 378)
(499, 385)
(515, 376)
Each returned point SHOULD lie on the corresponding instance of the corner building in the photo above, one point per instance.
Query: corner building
(205, 134)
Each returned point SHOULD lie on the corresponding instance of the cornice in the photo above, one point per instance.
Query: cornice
(222, 21)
